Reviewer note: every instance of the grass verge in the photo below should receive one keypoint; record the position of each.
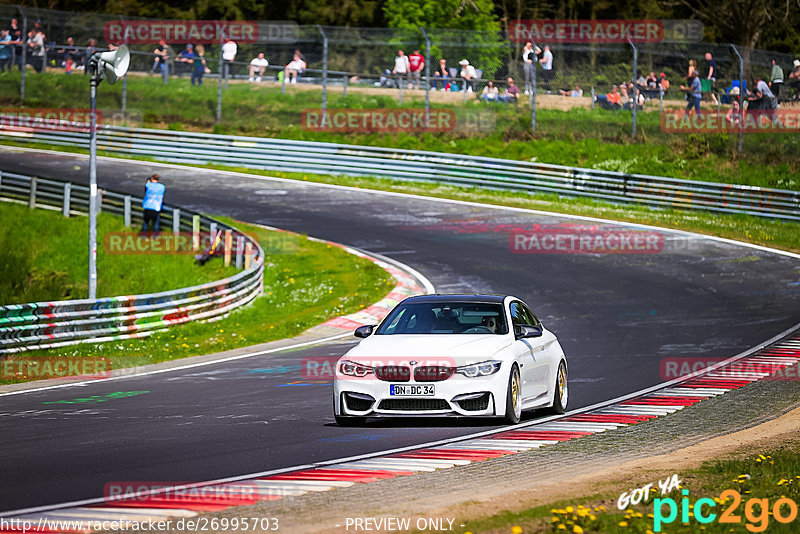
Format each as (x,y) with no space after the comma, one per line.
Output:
(43,257)
(305,283)
(766,484)
(576,137)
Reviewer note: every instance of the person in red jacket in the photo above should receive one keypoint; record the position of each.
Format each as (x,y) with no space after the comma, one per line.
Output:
(416,62)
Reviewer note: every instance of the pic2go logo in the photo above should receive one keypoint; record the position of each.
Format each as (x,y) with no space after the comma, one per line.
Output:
(756,511)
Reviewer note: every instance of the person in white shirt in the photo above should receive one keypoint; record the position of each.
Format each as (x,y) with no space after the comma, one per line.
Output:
(229,50)
(528,59)
(469,75)
(258,65)
(294,68)
(401,68)
(547,67)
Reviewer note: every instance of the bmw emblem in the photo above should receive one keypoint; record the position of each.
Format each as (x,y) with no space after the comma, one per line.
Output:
(412,362)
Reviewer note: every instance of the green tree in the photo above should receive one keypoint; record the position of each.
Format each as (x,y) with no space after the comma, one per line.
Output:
(457,29)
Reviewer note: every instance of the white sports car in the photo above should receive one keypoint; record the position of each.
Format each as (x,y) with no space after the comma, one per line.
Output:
(445,355)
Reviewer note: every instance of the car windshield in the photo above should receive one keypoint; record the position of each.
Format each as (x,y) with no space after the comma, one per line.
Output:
(445,318)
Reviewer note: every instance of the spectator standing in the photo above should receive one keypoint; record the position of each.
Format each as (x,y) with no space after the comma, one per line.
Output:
(5,50)
(511,94)
(694,94)
(416,62)
(36,49)
(152,202)
(258,66)
(528,58)
(199,65)
(229,50)
(401,67)
(663,82)
(442,73)
(651,80)
(713,74)
(469,75)
(294,68)
(490,92)
(15,31)
(68,56)
(547,68)
(160,60)
(91,48)
(776,79)
(185,59)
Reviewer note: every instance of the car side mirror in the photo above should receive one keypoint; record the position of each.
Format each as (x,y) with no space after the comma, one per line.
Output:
(364,331)
(522,331)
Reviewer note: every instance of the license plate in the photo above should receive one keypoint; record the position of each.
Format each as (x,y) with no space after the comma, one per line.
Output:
(412,390)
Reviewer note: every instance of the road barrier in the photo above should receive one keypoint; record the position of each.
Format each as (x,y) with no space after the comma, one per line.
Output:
(461,170)
(43,325)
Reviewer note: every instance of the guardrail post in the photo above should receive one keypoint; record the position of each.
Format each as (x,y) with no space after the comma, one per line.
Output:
(212,229)
(126,210)
(248,254)
(176,221)
(427,77)
(195,232)
(67,194)
(228,245)
(239,251)
(32,196)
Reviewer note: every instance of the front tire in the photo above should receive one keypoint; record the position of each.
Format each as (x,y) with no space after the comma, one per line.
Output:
(561,391)
(514,398)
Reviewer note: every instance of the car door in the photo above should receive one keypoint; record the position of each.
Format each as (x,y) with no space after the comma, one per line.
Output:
(534,367)
(545,353)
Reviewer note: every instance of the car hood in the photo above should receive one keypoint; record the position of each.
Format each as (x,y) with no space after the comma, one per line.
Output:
(463,349)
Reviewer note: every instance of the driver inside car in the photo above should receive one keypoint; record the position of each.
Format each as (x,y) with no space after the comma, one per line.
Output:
(490,322)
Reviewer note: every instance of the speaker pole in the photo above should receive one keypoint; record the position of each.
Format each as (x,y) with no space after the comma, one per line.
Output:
(94,81)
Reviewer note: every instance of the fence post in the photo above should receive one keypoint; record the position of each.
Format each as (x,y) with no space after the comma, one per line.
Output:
(228,244)
(23,59)
(660,99)
(125,77)
(741,96)
(212,229)
(283,82)
(32,196)
(195,232)
(427,77)
(532,97)
(67,195)
(239,251)
(176,221)
(220,32)
(635,86)
(593,95)
(248,254)
(126,210)
(344,83)
(324,71)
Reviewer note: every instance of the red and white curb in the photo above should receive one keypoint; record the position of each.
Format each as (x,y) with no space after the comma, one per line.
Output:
(770,361)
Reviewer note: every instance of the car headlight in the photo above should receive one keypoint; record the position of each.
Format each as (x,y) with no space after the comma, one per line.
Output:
(346,367)
(479,369)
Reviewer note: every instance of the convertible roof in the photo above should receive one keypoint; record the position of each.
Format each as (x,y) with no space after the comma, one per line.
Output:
(498,299)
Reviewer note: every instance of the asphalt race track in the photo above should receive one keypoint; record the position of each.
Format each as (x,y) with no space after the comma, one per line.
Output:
(618,316)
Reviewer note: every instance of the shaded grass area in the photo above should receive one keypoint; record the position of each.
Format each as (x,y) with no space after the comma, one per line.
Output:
(305,283)
(44,256)
(578,137)
(770,478)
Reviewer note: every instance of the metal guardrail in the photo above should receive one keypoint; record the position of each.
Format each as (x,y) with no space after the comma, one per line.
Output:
(494,173)
(44,325)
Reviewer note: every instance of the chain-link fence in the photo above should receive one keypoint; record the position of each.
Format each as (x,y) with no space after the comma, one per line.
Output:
(422,80)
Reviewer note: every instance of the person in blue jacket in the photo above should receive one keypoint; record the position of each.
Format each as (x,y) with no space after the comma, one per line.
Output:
(152,202)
